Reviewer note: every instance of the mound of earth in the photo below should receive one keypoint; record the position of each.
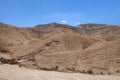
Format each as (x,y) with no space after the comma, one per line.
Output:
(57,53)
(101,58)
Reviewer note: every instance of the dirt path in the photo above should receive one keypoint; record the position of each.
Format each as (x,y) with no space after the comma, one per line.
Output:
(13,72)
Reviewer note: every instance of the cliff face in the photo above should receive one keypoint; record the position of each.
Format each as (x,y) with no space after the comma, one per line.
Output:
(87,48)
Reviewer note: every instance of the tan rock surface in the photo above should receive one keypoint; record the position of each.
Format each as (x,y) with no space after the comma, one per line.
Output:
(88,48)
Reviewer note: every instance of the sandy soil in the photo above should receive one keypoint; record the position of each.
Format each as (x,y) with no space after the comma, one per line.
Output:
(13,72)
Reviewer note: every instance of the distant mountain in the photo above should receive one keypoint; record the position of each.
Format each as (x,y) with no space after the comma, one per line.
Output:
(87,48)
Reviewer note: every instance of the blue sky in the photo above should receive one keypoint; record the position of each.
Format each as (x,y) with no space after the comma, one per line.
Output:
(32,12)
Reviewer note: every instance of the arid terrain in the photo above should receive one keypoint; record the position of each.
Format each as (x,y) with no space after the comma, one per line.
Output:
(13,72)
(92,49)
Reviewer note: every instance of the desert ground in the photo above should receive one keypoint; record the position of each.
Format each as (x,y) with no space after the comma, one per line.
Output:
(60,52)
(13,72)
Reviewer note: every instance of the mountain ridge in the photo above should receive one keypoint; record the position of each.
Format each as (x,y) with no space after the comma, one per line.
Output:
(87,48)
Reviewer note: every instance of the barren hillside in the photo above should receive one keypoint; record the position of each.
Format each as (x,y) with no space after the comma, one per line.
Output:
(87,48)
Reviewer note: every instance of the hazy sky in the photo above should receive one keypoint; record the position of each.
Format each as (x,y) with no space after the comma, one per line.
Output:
(73,12)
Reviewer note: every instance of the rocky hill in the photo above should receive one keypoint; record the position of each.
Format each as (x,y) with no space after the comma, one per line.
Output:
(87,48)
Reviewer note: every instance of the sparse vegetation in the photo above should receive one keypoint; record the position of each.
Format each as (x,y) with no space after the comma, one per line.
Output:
(90,72)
